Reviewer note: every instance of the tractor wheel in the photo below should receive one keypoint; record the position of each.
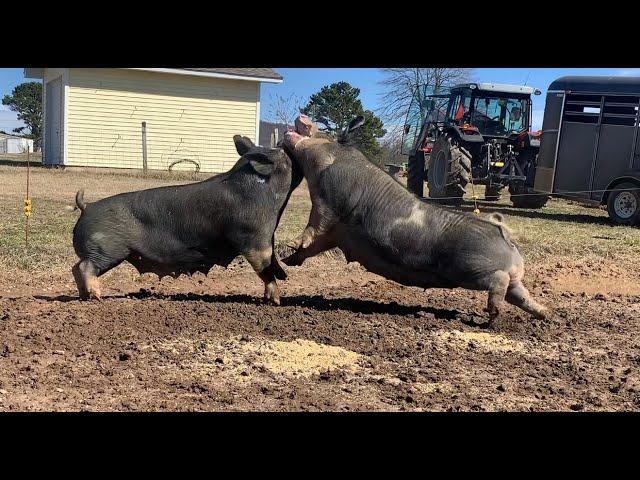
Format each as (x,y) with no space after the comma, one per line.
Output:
(492,193)
(449,171)
(524,197)
(624,205)
(415,174)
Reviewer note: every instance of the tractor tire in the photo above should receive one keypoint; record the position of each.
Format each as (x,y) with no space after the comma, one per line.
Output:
(449,171)
(524,197)
(492,193)
(624,205)
(415,174)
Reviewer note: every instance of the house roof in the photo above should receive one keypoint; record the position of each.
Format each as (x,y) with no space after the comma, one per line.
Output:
(267,75)
(243,72)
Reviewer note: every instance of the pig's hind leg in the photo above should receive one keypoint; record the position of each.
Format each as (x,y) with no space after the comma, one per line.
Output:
(86,275)
(98,254)
(498,286)
(503,287)
(519,296)
(87,271)
(83,291)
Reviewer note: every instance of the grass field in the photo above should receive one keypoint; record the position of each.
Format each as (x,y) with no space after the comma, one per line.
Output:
(561,230)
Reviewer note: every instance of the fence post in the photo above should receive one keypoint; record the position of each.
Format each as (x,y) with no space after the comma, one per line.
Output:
(273,139)
(144,147)
(27,201)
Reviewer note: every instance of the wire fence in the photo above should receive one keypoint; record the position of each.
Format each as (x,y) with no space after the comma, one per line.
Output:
(157,150)
(537,194)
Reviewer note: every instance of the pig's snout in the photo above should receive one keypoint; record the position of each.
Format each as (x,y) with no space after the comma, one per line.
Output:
(303,125)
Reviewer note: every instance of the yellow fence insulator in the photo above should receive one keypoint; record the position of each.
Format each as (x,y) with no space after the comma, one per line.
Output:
(27,207)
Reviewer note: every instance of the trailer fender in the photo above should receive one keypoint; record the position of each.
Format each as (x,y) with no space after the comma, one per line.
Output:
(632,176)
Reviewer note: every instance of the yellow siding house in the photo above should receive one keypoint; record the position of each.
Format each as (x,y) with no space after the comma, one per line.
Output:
(93,117)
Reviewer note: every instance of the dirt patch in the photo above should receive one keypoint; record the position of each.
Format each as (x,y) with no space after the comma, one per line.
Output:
(491,342)
(298,358)
(593,277)
(343,339)
(301,357)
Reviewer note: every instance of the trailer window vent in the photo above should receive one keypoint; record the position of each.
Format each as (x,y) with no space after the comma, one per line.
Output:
(581,97)
(581,108)
(620,110)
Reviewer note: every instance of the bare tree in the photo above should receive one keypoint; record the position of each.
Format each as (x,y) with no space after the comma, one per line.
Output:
(285,109)
(401,84)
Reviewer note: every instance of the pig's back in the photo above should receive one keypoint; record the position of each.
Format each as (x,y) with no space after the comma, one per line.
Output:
(404,230)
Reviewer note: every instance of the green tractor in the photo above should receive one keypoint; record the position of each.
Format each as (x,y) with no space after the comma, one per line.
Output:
(475,133)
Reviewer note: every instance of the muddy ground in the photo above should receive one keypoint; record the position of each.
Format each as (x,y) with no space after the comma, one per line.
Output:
(343,340)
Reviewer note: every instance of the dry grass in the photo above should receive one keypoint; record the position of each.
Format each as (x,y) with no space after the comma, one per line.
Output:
(566,230)
(18,158)
(562,230)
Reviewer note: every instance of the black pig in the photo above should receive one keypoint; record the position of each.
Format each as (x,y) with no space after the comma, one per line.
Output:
(375,221)
(190,228)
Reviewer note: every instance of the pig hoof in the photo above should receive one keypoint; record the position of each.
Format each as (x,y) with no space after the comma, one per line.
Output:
(272,299)
(272,295)
(297,243)
(291,261)
(294,245)
(542,314)
(306,242)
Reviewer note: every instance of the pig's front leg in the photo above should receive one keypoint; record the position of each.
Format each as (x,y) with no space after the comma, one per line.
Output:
(321,220)
(265,265)
(319,244)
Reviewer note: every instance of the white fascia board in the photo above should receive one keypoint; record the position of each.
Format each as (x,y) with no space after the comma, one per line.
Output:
(196,73)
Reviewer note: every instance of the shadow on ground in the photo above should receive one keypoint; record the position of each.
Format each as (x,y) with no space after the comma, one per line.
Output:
(543,214)
(315,302)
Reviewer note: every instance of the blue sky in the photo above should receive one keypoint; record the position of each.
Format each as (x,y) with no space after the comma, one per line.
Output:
(306,81)
(303,82)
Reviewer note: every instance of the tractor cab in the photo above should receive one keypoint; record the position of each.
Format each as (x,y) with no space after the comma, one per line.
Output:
(472,132)
(493,110)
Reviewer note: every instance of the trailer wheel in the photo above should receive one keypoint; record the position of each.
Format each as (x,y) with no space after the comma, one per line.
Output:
(623,204)
(415,174)
(449,171)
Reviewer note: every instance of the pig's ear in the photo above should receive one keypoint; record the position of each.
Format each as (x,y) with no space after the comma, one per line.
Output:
(243,144)
(261,163)
(355,123)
